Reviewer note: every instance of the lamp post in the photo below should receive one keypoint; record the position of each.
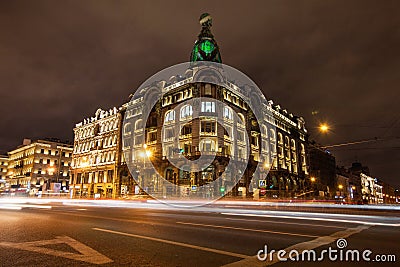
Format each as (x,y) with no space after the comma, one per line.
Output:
(144,154)
(340,186)
(313,185)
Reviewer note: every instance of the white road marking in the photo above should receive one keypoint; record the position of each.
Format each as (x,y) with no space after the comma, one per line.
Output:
(217,251)
(308,245)
(311,219)
(85,254)
(246,229)
(294,223)
(10,207)
(20,206)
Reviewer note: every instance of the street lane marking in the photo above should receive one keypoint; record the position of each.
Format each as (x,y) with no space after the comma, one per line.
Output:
(269,221)
(246,229)
(300,247)
(217,251)
(311,219)
(20,206)
(87,254)
(10,207)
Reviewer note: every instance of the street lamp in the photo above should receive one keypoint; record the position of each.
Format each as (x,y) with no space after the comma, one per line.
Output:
(312,179)
(267,165)
(143,154)
(323,128)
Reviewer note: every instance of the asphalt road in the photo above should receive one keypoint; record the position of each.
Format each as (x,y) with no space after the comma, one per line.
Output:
(55,234)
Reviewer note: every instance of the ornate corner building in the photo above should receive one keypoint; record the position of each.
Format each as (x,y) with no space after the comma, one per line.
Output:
(198,132)
(179,129)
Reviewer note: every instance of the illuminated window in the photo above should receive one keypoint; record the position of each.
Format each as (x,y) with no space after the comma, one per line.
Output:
(186,111)
(170,116)
(168,133)
(207,145)
(127,129)
(293,144)
(227,131)
(207,89)
(240,136)
(241,119)
(152,136)
(208,127)
(228,113)
(207,106)
(186,129)
(138,125)
(280,138)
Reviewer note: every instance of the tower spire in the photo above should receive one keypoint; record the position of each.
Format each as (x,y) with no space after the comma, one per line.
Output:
(205,47)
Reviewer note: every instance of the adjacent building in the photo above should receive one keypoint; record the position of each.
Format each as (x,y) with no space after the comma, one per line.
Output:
(96,157)
(322,172)
(3,172)
(39,167)
(371,190)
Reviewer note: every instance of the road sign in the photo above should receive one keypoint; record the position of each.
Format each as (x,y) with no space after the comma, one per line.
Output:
(262,183)
(194,187)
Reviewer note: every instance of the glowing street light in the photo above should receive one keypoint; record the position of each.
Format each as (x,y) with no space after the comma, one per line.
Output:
(340,187)
(312,179)
(323,128)
(148,153)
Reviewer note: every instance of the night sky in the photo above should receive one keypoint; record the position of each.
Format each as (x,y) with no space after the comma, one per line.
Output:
(62,60)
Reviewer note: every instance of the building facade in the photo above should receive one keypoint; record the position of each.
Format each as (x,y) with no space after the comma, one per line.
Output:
(322,172)
(371,190)
(3,172)
(96,155)
(197,131)
(39,167)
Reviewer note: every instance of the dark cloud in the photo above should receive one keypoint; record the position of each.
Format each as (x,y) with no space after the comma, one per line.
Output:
(60,61)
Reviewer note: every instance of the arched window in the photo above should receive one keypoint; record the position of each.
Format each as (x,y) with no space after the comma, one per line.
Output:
(241,119)
(264,130)
(228,114)
(186,111)
(170,116)
(293,144)
(127,128)
(280,138)
(138,125)
(287,141)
